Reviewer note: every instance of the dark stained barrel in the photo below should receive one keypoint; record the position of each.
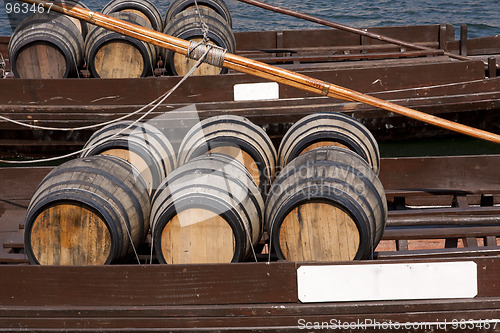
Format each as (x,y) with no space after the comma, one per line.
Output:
(326,205)
(46,46)
(143,8)
(219,6)
(89,211)
(187,25)
(234,136)
(141,144)
(113,55)
(207,211)
(326,129)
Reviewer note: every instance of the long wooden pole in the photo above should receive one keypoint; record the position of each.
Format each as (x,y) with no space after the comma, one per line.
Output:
(262,70)
(311,18)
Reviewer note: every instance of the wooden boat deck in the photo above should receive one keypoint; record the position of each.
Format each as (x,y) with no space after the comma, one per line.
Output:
(442,209)
(439,207)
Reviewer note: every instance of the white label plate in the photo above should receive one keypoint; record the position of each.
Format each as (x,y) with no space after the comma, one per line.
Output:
(376,282)
(256,91)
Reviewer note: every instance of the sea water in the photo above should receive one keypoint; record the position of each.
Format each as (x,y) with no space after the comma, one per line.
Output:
(483,17)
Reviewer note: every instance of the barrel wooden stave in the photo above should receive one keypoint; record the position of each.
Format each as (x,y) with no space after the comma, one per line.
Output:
(219,6)
(323,177)
(46,46)
(113,55)
(144,8)
(187,25)
(141,144)
(207,211)
(325,129)
(237,137)
(88,211)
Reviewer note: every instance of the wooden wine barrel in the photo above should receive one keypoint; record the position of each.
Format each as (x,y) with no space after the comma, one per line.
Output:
(143,8)
(234,136)
(327,129)
(113,55)
(219,6)
(87,212)
(326,205)
(207,211)
(46,46)
(187,25)
(141,144)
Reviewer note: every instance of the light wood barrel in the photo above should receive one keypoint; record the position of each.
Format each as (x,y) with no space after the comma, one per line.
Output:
(143,8)
(237,137)
(219,6)
(141,144)
(327,129)
(46,46)
(113,55)
(87,212)
(81,24)
(207,211)
(326,205)
(187,25)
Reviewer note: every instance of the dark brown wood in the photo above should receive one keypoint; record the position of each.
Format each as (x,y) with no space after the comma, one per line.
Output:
(440,233)
(343,57)
(452,252)
(441,173)
(463,39)
(166,284)
(492,67)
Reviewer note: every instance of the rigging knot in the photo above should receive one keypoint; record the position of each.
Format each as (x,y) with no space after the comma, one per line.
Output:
(214,54)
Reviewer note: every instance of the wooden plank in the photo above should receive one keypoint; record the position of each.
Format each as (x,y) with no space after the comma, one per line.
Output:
(256,310)
(266,323)
(128,92)
(15,185)
(148,285)
(439,233)
(438,253)
(15,240)
(465,173)
(176,284)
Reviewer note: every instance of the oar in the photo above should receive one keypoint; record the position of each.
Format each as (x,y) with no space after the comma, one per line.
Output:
(259,69)
(286,11)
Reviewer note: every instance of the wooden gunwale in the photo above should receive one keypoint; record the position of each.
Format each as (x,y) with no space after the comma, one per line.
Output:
(232,297)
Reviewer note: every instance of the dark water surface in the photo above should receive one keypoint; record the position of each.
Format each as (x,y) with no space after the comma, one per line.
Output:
(483,17)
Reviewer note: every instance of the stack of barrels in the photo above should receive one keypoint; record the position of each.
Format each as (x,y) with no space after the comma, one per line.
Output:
(48,45)
(52,45)
(212,203)
(327,202)
(95,210)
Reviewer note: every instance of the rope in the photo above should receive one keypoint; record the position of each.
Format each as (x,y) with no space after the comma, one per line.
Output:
(203,25)
(215,56)
(83,127)
(160,100)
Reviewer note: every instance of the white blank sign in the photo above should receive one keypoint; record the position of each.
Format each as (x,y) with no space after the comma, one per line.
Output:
(256,91)
(376,282)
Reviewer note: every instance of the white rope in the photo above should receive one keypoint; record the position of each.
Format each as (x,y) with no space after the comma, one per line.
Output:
(64,129)
(160,100)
